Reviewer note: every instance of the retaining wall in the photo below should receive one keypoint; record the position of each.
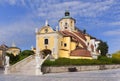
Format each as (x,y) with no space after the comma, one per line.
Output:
(58,69)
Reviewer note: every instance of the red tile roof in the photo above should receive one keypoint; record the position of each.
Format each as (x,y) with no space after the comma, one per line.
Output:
(75,38)
(80,52)
(80,34)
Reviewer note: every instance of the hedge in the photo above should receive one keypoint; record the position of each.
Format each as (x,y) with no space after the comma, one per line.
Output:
(66,61)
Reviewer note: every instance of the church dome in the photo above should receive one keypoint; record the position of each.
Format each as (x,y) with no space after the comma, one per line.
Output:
(67,13)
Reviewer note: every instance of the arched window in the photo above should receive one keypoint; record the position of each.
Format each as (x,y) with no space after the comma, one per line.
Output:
(65,44)
(66,24)
(65,27)
(46,41)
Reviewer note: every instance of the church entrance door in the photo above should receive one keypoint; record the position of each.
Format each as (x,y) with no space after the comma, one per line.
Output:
(46,52)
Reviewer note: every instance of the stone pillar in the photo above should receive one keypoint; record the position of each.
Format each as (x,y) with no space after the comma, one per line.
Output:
(38,71)
(7,65)
(6,71)
(38,66)
(37,48)
(56,46)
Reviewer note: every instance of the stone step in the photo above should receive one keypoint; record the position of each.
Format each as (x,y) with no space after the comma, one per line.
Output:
(28,69)
(28,66)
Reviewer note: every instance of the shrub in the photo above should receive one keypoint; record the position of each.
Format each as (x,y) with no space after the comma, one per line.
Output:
(116,57)
(105,60)
(66,61)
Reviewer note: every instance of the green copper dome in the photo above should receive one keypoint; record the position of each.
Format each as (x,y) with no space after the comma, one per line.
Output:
(67,16)
(67,13)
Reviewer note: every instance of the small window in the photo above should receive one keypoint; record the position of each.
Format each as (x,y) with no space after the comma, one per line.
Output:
(88,43)
(71,23)
(61,43)
(65,44)
(65,27)
(66,24)
(46,30)
(46,41)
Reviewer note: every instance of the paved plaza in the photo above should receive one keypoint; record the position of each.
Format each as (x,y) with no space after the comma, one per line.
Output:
(101,75)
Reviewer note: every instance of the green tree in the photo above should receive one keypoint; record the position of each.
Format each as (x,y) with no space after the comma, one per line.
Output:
(103,47)
(25,54)
(13,59)
(20,56)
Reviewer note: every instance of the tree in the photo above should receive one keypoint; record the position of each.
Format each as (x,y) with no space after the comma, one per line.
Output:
(103,47)
(25,54)
(20,56)
(13,59)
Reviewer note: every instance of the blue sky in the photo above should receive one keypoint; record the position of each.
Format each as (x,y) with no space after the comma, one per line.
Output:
(19,18)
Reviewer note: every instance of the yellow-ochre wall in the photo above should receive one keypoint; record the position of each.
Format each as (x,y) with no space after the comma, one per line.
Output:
(70,22)
(48,28)
(50,44)
(64,51)
(72,45)
(79,57)
(88,38)
(50,37)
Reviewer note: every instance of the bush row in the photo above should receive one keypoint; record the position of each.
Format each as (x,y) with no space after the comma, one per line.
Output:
(66,61)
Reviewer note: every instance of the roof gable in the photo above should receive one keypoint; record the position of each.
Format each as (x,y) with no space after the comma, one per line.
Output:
(46,29)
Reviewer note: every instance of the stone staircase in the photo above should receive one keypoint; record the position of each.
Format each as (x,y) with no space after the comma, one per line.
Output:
(26,67)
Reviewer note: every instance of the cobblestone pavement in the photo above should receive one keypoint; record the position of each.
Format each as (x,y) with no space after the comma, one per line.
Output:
(103,75)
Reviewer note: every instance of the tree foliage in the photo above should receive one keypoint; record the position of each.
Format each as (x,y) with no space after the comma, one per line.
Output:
(103,47)
(20,56)
(25,54)
(13,59)
(116,55)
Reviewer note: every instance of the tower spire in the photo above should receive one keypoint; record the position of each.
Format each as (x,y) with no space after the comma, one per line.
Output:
(46,23)
(56,28)
(13,44)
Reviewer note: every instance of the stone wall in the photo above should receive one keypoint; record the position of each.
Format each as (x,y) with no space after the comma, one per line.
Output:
(58,69)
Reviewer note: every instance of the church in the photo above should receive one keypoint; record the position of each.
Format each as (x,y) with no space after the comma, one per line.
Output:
(66,41)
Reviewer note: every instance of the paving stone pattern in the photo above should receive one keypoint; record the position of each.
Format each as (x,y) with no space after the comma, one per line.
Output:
(101,75)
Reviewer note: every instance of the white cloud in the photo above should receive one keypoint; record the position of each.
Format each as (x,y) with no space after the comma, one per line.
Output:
(55,8)
(112,33)
(21,32)
(115,23)
(13,2)
(76,7)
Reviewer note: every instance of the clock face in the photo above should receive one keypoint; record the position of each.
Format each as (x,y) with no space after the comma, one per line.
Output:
(46,30)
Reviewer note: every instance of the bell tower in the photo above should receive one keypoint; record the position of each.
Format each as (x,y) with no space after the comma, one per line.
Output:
(67,22)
